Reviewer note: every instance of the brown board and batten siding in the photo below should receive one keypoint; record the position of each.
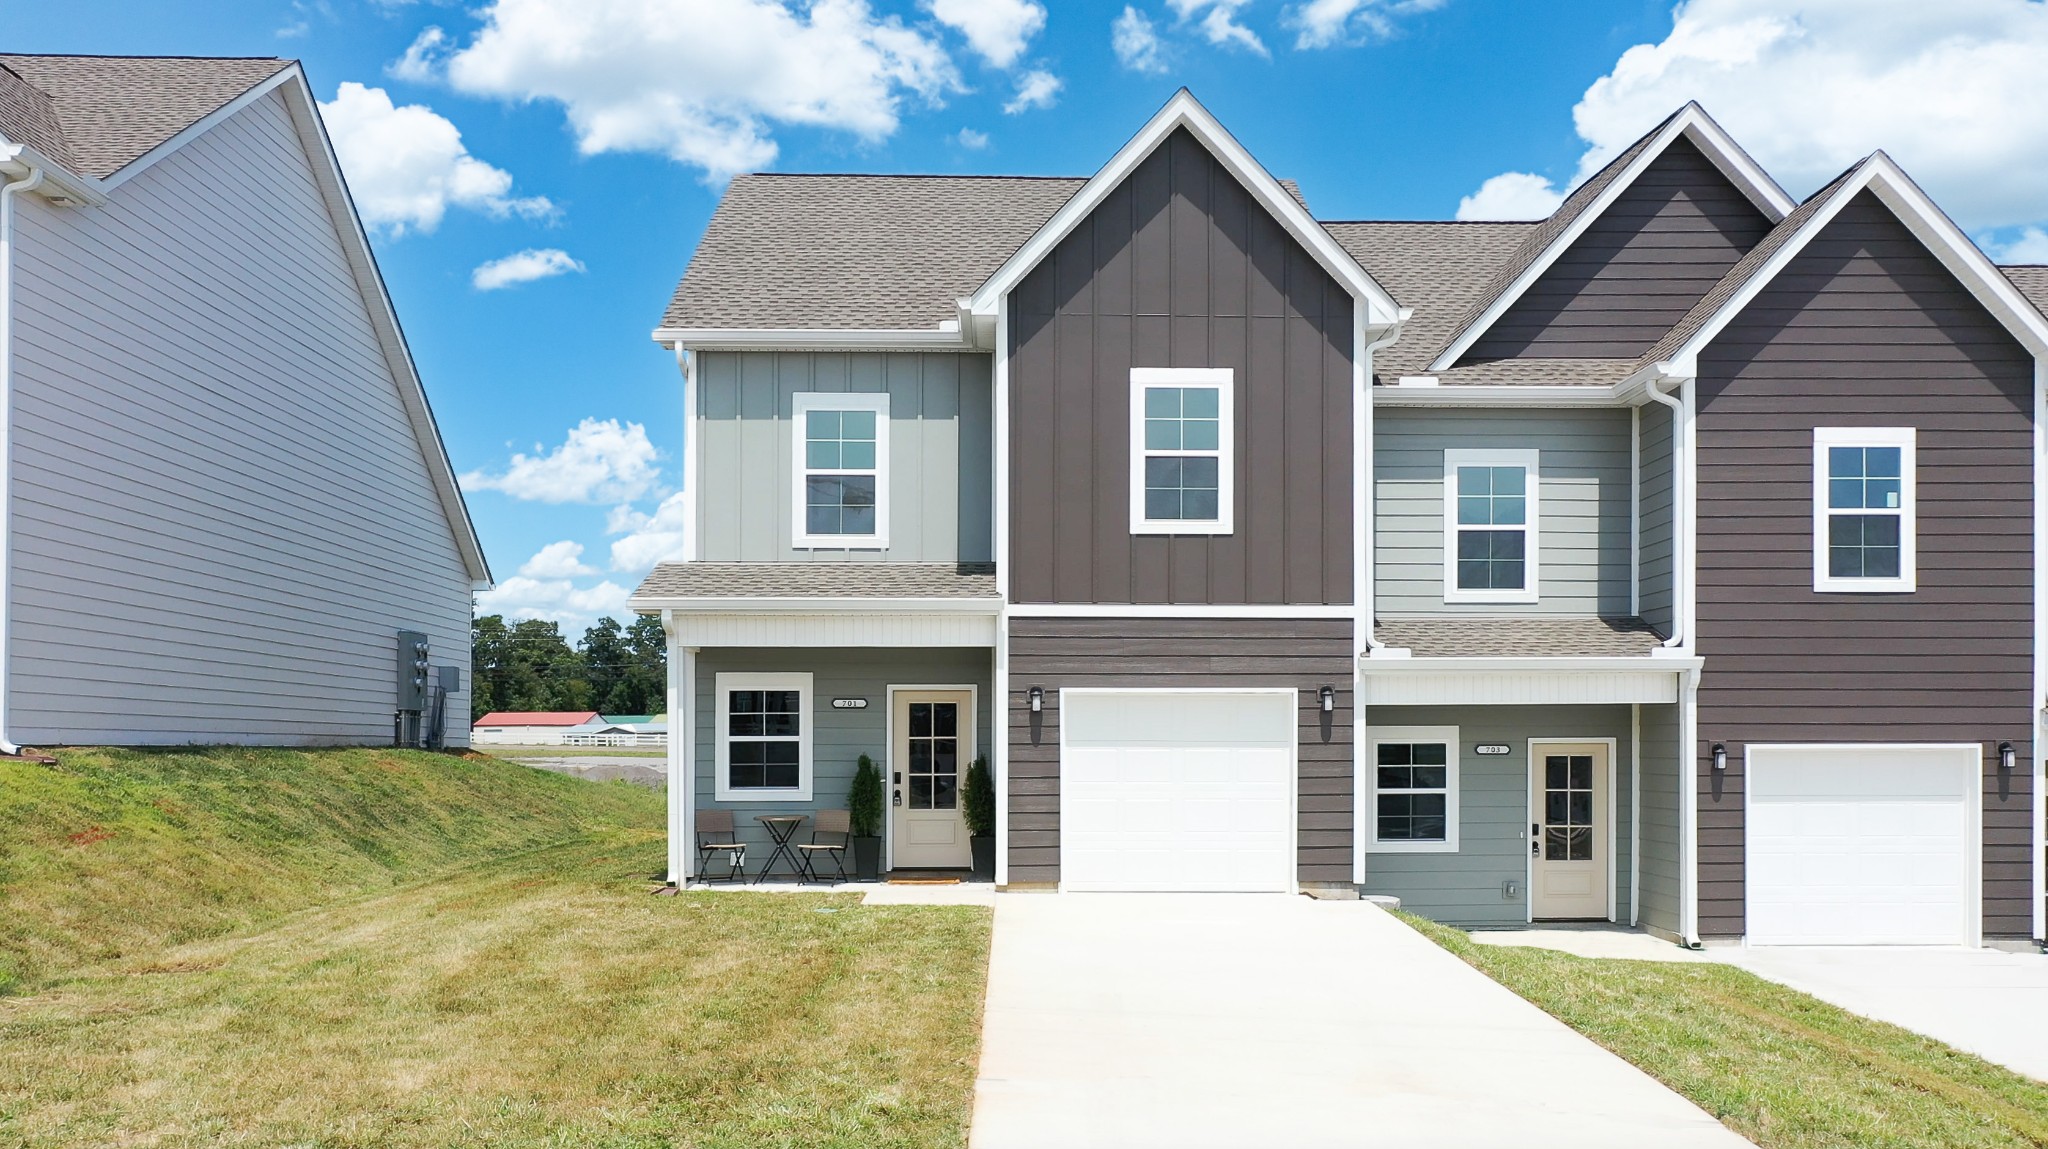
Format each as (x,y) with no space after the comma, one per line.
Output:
(1866,328)
(1180,266)
(1111,653)
(1636,270)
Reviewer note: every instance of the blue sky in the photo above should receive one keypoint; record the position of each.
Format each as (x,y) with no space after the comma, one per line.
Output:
(601,130)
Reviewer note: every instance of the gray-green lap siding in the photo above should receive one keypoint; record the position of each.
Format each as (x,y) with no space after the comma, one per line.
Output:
(1464,888)
(1662,782)
(940,473)
(1584,506)
(1655,527)
(838,737)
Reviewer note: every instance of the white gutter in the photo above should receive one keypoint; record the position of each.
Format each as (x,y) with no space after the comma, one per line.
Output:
(1363,549)
(33,180)
(1681,500)
(819,605)
(1458,664)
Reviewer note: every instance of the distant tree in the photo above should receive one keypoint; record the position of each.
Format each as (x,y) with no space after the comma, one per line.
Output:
(528,665)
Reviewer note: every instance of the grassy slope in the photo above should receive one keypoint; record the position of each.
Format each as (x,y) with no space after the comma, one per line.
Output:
(543,999)
(118,853)
(1783,1069)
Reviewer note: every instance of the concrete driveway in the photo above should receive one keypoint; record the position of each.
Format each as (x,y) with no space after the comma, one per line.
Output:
(1191,1020)
(1990,1003)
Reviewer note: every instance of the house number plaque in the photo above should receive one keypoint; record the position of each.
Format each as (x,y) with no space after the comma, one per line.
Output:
(849,704)
(1490,749)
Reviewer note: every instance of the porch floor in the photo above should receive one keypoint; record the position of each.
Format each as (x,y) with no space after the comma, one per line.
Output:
(1590,940)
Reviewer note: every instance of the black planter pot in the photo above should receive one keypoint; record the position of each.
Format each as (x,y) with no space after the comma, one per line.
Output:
(984,857)
(867,859)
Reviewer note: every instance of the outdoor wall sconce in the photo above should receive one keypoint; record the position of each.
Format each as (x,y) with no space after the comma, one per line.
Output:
(1720,756)
(1328,694)
(1037,699)
(2006,756)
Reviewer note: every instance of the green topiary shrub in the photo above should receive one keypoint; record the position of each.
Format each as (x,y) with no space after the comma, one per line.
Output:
(864,801)
(978,800)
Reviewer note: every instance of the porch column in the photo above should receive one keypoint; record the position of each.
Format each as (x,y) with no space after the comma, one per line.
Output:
(682,791)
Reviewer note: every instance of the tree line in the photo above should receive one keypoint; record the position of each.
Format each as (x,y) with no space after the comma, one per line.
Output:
(528,665)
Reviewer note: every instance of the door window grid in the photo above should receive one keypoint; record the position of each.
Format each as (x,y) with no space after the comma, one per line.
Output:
(934,746)
(1411,803)
(1568,808)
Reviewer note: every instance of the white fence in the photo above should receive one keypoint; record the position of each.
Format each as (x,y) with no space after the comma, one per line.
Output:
(571,738)
(560,736)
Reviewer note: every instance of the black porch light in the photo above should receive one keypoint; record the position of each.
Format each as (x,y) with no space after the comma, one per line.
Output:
(1720,756)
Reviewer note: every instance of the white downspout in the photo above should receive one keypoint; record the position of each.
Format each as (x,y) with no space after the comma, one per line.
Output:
(1362,487)
(1681,499)
(33,180)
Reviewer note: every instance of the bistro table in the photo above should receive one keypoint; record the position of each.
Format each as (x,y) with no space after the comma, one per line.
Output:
(781,828)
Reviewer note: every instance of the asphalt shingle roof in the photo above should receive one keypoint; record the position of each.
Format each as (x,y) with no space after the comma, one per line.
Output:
(98,114)
(1437,268)
(1475,636)
(2032,280)
(819,580)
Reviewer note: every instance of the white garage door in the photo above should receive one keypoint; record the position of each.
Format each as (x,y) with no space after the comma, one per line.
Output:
(1868,845)
(1175,791)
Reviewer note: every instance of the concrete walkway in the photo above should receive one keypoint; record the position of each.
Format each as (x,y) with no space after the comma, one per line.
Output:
(1192,1020)
(1991,1003)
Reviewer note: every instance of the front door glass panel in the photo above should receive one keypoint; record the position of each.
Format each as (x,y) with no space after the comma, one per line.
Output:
(934,774)
(1568,808)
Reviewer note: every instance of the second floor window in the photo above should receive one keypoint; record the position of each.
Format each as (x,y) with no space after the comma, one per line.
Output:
(842,471)
(1182,451)
(1490,516)
(1863,496)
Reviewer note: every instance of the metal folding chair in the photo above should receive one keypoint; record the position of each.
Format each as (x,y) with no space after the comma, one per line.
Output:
(715,835)
(831,831)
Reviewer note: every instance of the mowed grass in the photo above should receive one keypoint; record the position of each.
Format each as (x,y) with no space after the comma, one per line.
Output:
(113,853)
(1783,1069)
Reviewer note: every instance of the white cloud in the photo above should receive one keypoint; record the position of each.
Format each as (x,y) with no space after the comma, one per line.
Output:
(2030,247)
(1323,23)
(1951,90)
(561,600)
(1511,195)
(406,165)
(557,560)
(523,267)
(1035,89)
(423,57)
(600,462)
(649,539)
(997,30)
(704,82)
(1218,22)
(1136,41)
(970,139)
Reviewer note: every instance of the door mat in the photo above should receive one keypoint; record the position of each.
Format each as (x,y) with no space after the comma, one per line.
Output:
(924,881)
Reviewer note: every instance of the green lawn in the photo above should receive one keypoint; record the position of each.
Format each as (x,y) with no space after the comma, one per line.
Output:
(1783,1069)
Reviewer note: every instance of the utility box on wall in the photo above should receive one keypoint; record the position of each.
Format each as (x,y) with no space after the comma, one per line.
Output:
(413,670)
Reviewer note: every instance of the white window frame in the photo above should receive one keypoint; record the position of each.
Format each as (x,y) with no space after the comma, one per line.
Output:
(1448,736)
(1224,380)
(722,686)
(1903,438)
(1527,460)
(801,406)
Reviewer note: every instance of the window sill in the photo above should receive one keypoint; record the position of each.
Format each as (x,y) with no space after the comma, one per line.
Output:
(1469,596)
(1411,847)
(839,543)
(1864,586)
(800,794)
(1181,528)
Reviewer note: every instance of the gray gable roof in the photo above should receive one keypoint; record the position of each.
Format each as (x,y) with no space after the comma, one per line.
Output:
(2032,280)
(878,580)
(1437,268)
(98,114)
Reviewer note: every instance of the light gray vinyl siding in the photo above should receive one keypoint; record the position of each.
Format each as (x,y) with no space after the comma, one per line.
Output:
(1584,497)
(1662,782)
(939,475)
(1655,562)
(838,737)
(1464,888)
(222,515)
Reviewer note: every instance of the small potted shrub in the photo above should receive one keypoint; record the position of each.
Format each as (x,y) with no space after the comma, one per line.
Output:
(978,806)
(864,812)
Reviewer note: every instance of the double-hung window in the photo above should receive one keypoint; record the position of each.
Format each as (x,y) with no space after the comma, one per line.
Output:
(1863,509)
(1414,789)
(764,737)
(842,470)
(1183,451)
(1490,519)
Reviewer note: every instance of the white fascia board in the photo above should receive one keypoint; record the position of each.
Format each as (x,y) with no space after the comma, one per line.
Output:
(1417,664)
(206,123)
(60,184)
(1184,111)
(362,261)
(793,605)
(1501,395)
(944,337)
(1691,122)
(1925,220)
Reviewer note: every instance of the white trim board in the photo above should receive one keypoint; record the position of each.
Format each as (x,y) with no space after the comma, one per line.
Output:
(1691,122)
(793,630)
(1177,610)
(1479,687)
(1184,111)
(947,336)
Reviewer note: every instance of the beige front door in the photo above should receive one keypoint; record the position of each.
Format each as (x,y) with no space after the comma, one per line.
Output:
(927,764)
(1569,867)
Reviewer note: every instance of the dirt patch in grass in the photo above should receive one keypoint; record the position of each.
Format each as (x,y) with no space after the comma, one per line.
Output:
(1783,1069)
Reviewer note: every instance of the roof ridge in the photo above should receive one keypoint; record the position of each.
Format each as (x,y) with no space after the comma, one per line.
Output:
(1472,222)
(128,56)
(905,176)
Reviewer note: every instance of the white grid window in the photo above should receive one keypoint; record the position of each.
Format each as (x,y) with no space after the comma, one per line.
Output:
(1182,451)
(1863,509)
(1414,799)
(1490,526)
(841,452)
(764,737)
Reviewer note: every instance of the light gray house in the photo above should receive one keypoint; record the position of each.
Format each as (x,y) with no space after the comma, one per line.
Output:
(225,498)
(1670,561)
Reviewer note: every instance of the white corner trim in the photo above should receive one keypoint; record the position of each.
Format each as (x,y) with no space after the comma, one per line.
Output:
(1368,765)
(1527,460)
(1225,454)
(802,403)
(721,699)
(2039,764)
(945,337)
(1691,122)
(999,529)
(1901,437)
(1184,111)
